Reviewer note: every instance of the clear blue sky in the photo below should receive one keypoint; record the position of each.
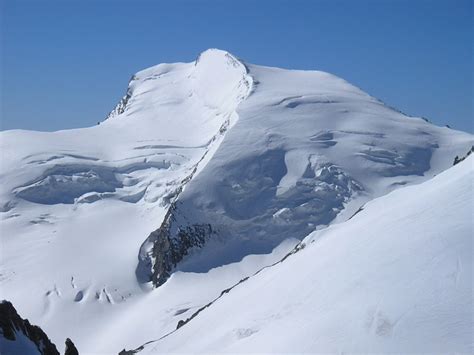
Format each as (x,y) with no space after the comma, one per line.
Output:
(66,63)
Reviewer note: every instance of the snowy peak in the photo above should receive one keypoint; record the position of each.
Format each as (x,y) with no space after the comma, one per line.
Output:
(220,79)
(217,79)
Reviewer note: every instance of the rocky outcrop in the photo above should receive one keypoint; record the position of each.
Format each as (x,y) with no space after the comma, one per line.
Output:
(12,325)
(16,329)
(168,249)
(70,348)
(457,160)
(122,104)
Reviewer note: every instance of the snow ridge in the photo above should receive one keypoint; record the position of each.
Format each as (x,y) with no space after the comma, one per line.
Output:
(159,254)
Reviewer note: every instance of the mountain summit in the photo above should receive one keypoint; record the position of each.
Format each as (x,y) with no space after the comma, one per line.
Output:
(204,174)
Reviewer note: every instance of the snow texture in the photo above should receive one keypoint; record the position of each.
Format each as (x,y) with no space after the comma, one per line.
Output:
(395,278)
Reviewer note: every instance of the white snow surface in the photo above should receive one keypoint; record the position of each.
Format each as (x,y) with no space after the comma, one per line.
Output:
(397,277)
(270,155)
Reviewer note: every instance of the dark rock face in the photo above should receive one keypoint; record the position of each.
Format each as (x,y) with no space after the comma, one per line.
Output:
(11,324)
(70,348)
(168,248)
(458,160)
(170,251)
(122,104)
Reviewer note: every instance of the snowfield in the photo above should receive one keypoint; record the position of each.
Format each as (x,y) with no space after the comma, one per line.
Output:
(206,173)
(397,277)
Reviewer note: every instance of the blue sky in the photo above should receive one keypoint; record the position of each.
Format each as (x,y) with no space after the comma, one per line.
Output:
(66,63)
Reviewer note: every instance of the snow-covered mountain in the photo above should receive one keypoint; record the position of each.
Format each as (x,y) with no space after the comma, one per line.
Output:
(203,174)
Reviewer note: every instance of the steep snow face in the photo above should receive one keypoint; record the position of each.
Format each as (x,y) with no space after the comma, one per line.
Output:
(216,162)
(307,146)
(397,277)
(227,88)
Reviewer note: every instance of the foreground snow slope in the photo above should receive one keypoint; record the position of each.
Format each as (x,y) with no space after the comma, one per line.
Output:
(397,277)
(204,173)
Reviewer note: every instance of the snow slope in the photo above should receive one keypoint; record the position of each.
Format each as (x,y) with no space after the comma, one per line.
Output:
(397,277)
(307,145)
(204,173)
